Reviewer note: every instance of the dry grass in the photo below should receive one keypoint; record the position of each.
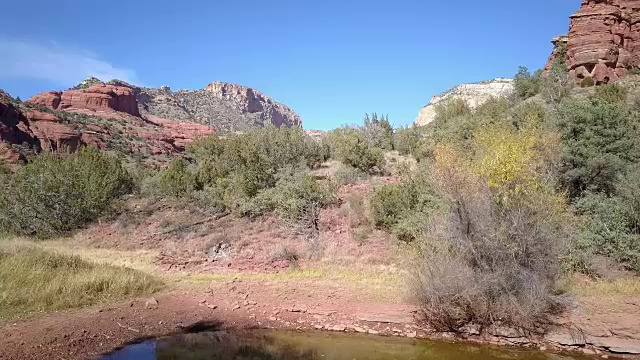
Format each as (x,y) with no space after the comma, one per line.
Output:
(382,284)
(33,280)
(628,286)
(139,259)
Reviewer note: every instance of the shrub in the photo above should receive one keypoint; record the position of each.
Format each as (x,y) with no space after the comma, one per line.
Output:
(350,146)
(293,193)
(177,180)
(529,113)
(495,109)
(599,140)
(556,84)
(587,82)
(493,254)
(610,93)
(451,110)
(611,225)
(378,131)
(230,173)
(55,194)
(527,85)
(407,140)
(346,175)
(404,208)
(610,229)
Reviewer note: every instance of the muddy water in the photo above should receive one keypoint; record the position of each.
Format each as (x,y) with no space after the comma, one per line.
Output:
(287,345)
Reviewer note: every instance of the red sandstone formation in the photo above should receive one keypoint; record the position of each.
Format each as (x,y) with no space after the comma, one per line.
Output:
(604,40)
(36,129)
(97,98)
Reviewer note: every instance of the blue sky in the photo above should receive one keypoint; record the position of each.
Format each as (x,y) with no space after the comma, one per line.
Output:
(331,60)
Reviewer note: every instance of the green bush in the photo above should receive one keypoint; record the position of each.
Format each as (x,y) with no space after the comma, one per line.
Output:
(407,140)
(599,141)
(249,174)
(587,82)
(529,113)
(611,94)
(54,194)
(403,208)
(378,131)
(609,229)
(527,85)
(177,180)
(451,109)
(295,191)
(350,146)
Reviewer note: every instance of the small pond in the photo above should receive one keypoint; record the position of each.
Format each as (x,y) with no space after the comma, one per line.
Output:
(290,345)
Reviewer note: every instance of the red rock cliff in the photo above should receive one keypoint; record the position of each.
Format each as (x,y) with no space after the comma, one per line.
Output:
(98,98)
(604,40)
(37,129)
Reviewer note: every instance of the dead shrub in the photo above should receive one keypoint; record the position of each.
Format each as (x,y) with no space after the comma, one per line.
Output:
(493,255)
(285,253)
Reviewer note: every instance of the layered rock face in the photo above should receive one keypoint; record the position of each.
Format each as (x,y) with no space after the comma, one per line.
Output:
(34,129)
(227,107)
(97,98)
(473,94)
(604,40)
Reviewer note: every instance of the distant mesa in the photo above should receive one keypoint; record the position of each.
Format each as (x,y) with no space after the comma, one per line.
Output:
(474,95)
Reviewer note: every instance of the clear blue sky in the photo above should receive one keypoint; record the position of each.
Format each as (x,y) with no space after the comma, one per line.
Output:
(331,60)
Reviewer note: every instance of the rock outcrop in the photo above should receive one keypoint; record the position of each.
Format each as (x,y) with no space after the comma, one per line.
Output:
(25,129)
(33,129)
(473,94)
(604,40)
(100,98)
(559,51)
(227,107)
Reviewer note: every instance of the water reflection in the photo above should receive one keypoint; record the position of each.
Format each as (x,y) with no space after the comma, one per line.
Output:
(286,345)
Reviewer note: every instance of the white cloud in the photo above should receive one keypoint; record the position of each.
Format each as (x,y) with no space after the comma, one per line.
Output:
(61,65)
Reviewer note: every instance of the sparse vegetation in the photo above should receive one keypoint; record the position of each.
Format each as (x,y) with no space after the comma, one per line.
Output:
(346,174)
